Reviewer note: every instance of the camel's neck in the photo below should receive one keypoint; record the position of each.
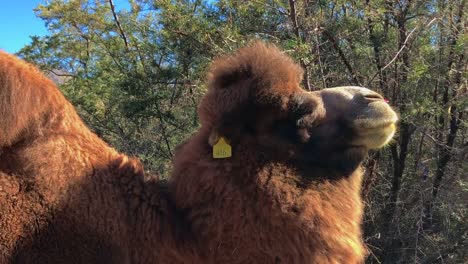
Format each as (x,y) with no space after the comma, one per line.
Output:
(160,231)
(267,209)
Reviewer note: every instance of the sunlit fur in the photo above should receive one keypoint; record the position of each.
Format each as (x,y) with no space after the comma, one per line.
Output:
(290,193)
(65,195)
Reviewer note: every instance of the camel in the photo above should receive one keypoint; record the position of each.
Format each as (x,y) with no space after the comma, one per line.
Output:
(285,187)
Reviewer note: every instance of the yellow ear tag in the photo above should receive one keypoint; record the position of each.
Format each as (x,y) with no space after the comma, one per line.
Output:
(222,149)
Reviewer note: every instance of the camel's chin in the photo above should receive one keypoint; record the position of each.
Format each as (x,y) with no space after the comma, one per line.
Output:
(375,125)
(375,138)
(376,115)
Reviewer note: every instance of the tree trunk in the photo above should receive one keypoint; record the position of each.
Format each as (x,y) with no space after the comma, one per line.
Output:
(445,147)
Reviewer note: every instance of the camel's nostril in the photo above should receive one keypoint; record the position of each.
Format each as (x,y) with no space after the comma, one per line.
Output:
(373,97)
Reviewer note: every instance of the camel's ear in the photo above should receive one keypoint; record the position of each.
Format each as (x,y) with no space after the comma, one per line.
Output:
(291,122)
(247,91)
(230,127)
(214,137)
(224,77)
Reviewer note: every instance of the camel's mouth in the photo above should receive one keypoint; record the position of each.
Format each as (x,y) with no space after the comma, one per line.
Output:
(375,125)
(376,114)
(374,138)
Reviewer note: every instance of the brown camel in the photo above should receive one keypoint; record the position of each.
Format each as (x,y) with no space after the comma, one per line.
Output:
(288,190)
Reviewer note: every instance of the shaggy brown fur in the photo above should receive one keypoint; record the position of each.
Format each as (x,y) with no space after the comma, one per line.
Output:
(289,193)
(65,195)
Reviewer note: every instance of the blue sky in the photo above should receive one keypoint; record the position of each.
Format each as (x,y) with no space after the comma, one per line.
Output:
(18,22)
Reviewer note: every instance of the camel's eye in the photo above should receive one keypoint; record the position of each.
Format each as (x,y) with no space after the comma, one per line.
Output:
(287,131)
(249,129)
(304,110)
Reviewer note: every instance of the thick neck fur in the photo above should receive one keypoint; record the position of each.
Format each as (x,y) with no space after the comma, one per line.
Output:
(65,195)
(68,197)
(250,210)
(47,149)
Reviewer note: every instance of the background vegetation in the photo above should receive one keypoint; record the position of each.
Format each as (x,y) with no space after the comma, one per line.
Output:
(137,75)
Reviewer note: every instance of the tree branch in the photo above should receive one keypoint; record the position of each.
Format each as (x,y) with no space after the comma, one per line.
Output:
(342,56)
(293,16)
(399,51)
(122,33)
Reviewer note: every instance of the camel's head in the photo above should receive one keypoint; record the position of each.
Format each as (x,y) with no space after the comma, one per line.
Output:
(255,99)
(357,116)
